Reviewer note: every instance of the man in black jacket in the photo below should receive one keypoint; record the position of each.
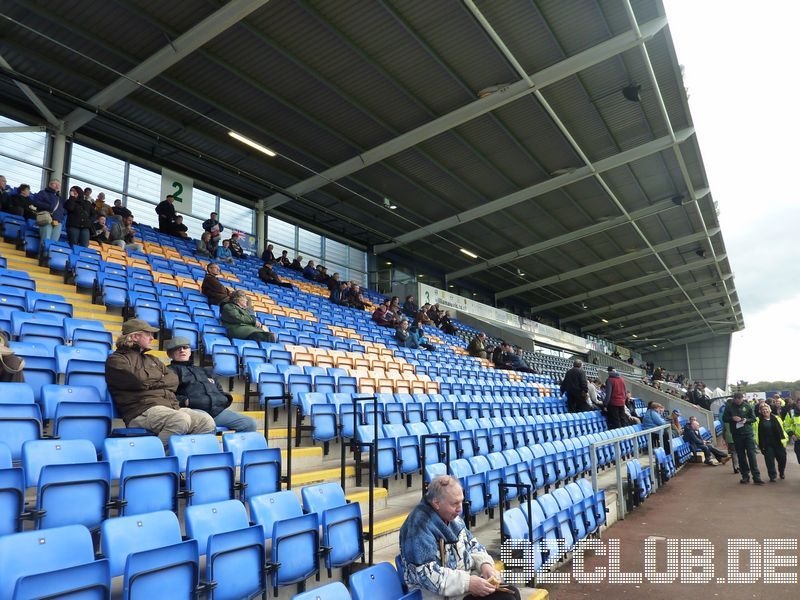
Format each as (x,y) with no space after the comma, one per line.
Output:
(692,437)
(575,386)
(199,390)
(166,215)
(267,275)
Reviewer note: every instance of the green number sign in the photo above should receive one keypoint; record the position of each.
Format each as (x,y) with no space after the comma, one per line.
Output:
(178,191)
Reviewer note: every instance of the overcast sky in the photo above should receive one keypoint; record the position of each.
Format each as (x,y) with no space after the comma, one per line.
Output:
(741,70)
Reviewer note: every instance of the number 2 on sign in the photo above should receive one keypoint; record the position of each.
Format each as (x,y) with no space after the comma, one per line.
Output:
(178,191)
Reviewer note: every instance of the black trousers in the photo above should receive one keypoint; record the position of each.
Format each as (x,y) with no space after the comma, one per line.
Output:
(498,595)
(708,450)
(797,449)
(746,453)
(575,401)
(772,453)
(262,336)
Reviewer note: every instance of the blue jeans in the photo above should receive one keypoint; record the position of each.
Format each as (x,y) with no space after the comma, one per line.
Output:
(49,232)
(233,420)
(78,236)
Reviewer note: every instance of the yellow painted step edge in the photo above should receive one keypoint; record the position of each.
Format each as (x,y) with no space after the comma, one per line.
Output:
(389,525)
(321,475)
(363,496)
(304,453)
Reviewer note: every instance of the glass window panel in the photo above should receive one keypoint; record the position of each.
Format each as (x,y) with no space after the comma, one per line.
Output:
(236,216)
(358,260)
(195,226)
(203,204)
(101,170)
(25,156)
(309,243)
(143,212)
(335,252)
(281,234)
(144,184)
(359,277)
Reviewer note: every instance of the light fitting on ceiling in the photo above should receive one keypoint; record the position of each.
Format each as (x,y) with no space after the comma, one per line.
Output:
(677,200)
(701,253)
(604,320)
(584,306)
(251,143)
(634,335)
(468,253)
(631,92)
(492,89)
(389,204)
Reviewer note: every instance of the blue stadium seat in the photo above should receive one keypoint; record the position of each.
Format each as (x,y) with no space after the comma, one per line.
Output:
(210,473)
(259,466)
(341,523)
(330,591)
(380,582)
(19,423)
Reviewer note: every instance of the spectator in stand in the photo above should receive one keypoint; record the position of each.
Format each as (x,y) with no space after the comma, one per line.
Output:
(284,259)
(334,281)
(223,253)
(791,423)
(338,294)
(99,232)
(477,346)
(615,399)
(240,323)
(267,256)
(771,439)
(394,307)
(630,410)
(356,298)
(310,272)
(322,275)
(433,314)
(214,227)
(5,191)
(166,214)
(518,362)
(658,374)
(653,417)
(675,425)
(381,317)
(236,248)
(143,388)
(410,307)
(447,324)
(11,365)
(728,437)
(198,390)
(419,339)
(19,202)
(80,216)
(576,387)
(212,287)
(712,455)
(297,264)
(267,275)
(179,229)
(120,210)
(204,246)
(50,214)
(592,401)
(122,235)
(422,315)
(440,556)
(503,357)
(101,208)
(401,333)
(741,418)
(87,194)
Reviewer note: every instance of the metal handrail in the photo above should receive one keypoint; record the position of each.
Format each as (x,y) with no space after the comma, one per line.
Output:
(617,447)
(287,396)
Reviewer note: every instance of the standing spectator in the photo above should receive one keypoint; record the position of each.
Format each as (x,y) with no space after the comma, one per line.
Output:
(728,437)
(179,229)
(143,388)
(267,256)
(80,216)
(50,216)
(575,386)
(284,259)
(654,417)
(741,417)
(214,227)
(477,346)
(11,366)
(615,400)
(166,215)
(771,439)
(204,246)
(212,287)
(99,232)
(236,248)
(101,208)
(122,235)
(410,307)
(120,210)
(240,324)
(223,253)
(198,390)
(791,424)
(675,426)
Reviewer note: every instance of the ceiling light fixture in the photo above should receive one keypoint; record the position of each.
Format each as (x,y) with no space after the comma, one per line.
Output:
(389,204)
(468,253)
(701,253)
(388,263)
(604,320)
(252,144)
(677,200)
(634,335)
(631,92)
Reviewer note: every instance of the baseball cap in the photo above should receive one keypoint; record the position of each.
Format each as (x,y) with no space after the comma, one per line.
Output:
(610,369)
(134,325)
(675,411)
(177,342)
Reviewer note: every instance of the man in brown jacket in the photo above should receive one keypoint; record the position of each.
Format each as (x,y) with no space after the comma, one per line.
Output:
(212,287)
(143,388)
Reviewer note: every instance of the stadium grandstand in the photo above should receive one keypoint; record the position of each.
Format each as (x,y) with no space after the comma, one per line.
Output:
(523,175)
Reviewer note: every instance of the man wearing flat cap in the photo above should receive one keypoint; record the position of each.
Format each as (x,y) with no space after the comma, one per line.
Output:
(143,388)
(198,389)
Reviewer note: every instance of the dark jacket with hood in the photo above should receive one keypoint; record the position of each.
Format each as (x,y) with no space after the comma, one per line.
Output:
(615,390)
(49,200)
(80,212)
(198,389)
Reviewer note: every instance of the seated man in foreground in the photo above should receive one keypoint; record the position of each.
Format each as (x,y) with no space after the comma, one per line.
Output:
(440,555)
(200,391)
(143,388)
(692,436)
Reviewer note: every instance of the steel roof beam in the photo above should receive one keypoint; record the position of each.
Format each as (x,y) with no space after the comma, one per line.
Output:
(609,308)
(566,238)
(510,93)
(638,328)
(677,322)
(644,279)
(34,99)
(683,341)
(219,21)
(606,264)
(538,189)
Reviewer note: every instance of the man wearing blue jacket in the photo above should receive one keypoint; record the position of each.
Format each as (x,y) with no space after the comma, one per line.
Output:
(49,200)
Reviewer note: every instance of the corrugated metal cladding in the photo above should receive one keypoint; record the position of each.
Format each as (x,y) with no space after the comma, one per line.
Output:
(324,80)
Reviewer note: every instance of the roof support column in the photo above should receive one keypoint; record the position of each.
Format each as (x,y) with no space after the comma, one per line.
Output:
(57,156)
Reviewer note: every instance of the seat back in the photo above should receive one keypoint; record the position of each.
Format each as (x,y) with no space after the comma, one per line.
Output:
(379,582)
(37,454)
(320,497)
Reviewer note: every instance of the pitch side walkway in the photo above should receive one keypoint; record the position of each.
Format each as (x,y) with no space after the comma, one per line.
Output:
(708,503)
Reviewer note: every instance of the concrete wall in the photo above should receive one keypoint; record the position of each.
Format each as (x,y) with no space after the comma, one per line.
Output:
(704,361)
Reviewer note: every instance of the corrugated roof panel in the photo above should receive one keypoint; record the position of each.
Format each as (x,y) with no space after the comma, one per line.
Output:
(175,14)
(576,25)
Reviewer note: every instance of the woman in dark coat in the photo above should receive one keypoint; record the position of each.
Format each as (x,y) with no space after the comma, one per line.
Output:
(80,217)
(771,439)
